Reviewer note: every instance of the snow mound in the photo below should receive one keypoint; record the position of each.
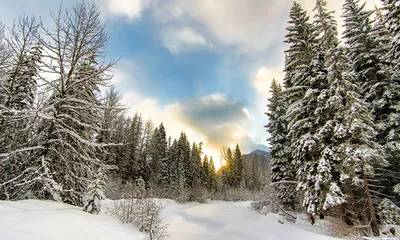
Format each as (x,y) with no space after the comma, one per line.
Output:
(47,220)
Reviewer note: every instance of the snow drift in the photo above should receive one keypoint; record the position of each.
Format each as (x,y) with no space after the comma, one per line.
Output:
(46,220)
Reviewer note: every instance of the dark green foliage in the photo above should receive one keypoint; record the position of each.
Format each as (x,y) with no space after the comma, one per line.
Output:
(282,173)
(337,119)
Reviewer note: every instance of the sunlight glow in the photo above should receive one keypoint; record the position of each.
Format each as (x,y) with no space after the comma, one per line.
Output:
(223,162)
(238,135)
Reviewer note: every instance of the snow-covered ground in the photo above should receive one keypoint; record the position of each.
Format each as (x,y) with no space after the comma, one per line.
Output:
(46,220)
(229,220)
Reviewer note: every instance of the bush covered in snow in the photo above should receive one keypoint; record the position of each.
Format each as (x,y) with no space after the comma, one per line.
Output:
(144,213)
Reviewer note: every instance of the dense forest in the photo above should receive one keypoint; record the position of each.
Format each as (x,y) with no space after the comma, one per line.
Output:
(334,125)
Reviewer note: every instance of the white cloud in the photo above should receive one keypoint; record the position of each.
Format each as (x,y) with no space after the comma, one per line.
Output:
(249,25)
(246,111)
(263,80)
(132,9)
(177,40)
(216,98)
(126,73)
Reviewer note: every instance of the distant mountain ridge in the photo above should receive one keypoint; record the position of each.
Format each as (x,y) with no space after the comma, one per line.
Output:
(263,157)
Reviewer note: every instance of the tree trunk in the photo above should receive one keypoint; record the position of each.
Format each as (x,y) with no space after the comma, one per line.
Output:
(312,219)
(371,210)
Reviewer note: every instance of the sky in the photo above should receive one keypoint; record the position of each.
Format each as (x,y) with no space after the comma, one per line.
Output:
(199,66)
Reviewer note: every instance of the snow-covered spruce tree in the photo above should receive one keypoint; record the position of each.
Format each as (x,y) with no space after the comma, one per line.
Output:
(184,158)
(205,177)
(254,182)
(389,213)
(326,176)
(314,174)
(123,137)
(301,38)
(181,183)
(367,46)
(155,161)
(74,51)
(381,35)
(212,175)
(118,135)
(162,148)
(246,173)
(4,57)
(226,173)
(197,190)
(391,18)
(306,79)
(355,137)
(351,136)
(345,119)
(130,167)
(195,160)
(95,193)
(17,112)
(327,41)
(237,173)
(309,112)
(209,177)
(392,8)
(364,52)
(198,164)
(326,29)
(387,32)
(158,153)
(173,166)
(144,166)
(177,174)
(193,165)
(231,167)
(361,45)
(386,177)
(282,176)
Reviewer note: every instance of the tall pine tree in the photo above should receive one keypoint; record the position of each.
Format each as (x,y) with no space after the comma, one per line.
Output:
(282,174)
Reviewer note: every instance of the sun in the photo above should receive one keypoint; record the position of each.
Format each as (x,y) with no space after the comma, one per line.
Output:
(223,162)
